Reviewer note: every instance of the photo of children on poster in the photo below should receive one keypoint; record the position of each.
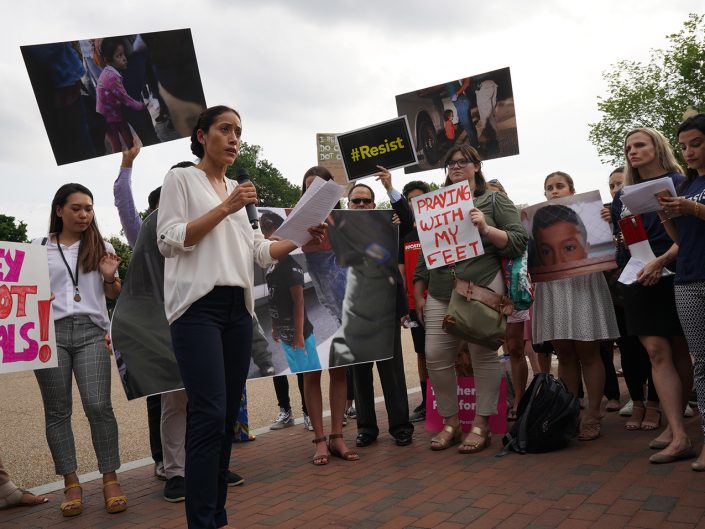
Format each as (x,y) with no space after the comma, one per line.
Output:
(327,304)
(99,96)
(27,339)
(477,110)
(446,232)
(568,237)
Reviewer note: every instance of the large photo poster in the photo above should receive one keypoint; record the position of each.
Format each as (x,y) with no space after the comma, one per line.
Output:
(568,237)
(98,96)
(27,339)
(477,110)
(342,284)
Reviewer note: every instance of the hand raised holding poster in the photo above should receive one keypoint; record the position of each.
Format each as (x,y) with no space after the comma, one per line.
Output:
(27,338)
(446,231)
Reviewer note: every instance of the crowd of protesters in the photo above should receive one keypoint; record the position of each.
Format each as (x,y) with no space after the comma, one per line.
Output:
(209,246)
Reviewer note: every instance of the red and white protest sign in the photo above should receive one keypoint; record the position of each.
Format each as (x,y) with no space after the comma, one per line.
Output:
(27,338)
(446,232)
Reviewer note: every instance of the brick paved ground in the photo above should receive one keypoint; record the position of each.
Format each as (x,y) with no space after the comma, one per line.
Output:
(603,484)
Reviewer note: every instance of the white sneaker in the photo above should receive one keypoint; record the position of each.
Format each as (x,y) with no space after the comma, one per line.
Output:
(626,410)
(283,420)
(307,423)
(688,411)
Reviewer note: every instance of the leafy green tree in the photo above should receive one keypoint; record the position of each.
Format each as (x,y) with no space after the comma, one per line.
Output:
(11,231)
(655,94)
(125,252)
(273,190)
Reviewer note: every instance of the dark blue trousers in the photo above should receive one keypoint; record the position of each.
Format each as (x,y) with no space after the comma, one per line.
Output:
(212,342)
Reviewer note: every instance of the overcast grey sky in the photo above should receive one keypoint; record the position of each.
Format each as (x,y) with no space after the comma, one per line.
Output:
(294,68)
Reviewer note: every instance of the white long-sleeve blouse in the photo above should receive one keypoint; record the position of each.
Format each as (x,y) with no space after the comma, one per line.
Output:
(224,257)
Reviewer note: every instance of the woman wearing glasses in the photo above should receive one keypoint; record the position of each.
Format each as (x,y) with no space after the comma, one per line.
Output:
(497,220)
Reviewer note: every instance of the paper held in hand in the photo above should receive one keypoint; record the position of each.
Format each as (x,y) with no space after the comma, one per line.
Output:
(642,198)
(313,208)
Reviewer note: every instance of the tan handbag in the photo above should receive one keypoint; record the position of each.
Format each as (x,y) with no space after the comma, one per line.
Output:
(477,314)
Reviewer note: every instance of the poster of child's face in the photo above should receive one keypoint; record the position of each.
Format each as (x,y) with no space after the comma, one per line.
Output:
(100,96)
(568,237)
(477,110)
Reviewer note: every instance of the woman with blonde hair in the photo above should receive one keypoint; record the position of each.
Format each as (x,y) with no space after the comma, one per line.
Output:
(650,306)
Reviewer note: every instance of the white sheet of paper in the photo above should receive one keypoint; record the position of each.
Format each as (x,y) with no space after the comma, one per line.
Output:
(628,275)
(641,198)
(313,208)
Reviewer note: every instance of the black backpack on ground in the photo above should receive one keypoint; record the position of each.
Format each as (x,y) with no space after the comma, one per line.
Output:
(547,418)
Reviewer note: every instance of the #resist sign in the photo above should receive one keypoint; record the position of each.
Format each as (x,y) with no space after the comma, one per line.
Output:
(446,232)
(387,144)
(27,338)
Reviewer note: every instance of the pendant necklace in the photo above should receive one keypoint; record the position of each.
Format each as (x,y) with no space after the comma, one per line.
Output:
(74,280)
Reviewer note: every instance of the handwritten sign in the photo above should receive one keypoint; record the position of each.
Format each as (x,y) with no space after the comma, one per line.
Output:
(328,156)
(27,339)
(446,232)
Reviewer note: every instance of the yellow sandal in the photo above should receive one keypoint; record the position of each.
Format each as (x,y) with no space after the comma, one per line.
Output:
(73,507)
(114,504)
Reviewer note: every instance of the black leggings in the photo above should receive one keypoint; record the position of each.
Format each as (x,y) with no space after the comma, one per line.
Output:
(281,388)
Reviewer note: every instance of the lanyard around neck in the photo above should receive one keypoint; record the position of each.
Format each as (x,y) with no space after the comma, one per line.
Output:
(74,279)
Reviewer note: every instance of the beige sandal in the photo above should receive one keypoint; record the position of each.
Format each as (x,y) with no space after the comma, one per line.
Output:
(441,443)
(648,423)
(13,496)
(473,447)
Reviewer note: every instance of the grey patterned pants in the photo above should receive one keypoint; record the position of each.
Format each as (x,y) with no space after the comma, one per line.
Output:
(81,351)
(690,302)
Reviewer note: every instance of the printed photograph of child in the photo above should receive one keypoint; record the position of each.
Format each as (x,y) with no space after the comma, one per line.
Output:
(99,96)
(568,237)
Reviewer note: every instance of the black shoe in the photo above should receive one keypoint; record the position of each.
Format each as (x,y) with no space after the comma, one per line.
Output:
(419,414)
(175,489)
(403,439)
(364,439)
(234,479)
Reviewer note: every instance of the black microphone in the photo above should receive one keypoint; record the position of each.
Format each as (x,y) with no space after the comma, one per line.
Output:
(242,177)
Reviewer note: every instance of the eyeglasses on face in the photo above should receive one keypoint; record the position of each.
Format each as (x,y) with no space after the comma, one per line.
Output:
(460,164)
(358,201)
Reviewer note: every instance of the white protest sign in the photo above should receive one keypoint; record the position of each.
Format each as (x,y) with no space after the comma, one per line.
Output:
(27,339)
(446,232)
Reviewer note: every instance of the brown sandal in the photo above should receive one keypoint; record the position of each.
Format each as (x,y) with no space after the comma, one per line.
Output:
(320,459)
(473,447)
(350,455)
(634,422)
(589,430)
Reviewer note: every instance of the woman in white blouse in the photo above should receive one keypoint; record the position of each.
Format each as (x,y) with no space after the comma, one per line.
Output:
(210,246)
